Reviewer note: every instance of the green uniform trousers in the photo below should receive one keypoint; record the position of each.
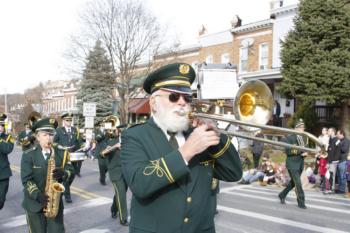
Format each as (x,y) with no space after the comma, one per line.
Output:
(102,165)
(38,223)
(4,187)
(67,185)
(77,166)
(295,182)
(119,201)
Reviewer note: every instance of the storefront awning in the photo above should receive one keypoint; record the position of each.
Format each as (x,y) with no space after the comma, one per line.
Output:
(139,106)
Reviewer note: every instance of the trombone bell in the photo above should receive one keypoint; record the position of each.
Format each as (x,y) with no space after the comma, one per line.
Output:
(253,103)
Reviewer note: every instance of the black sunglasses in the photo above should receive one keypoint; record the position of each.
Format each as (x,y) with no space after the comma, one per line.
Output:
(174,97)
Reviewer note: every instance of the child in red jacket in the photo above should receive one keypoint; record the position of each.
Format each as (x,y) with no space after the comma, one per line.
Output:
(322,169)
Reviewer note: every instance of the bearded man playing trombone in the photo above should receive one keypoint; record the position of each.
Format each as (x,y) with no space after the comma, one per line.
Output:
(169,165)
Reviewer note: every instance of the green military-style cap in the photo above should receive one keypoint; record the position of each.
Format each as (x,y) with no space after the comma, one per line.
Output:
(176,77)
(67,115)
(3,117)
(46,125)
(299,123)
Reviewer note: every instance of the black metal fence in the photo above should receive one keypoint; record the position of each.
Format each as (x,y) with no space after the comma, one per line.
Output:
(328,113)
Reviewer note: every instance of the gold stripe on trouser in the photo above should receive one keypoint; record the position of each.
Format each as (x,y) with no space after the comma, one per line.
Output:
(30,230)
(296,190)
(119,206)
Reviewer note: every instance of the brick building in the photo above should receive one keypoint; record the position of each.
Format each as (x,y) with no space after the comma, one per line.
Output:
(59,97)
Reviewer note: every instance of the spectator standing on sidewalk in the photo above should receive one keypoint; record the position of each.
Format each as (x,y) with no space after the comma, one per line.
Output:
(348,175)
(322,170)
(332,160)
(342,148)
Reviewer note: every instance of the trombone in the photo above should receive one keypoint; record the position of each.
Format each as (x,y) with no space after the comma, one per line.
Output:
(252,109)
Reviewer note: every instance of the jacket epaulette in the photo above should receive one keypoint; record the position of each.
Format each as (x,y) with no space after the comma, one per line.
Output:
(136,124)
(30,150)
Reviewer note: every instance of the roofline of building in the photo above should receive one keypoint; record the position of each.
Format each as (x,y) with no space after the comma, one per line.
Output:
(185,49)
(261,75)
(253,26)
(284,10)
(214,33)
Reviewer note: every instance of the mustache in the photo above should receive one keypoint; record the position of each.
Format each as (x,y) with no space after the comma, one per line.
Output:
(182,111)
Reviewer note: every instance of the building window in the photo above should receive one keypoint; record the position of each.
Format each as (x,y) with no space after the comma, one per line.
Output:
(225,58)
(209,59)
(263,56)
(243,59)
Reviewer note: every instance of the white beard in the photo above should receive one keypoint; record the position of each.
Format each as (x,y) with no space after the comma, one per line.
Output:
(173,120)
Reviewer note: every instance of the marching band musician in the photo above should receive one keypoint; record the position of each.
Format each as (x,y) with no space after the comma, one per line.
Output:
(26,138)
(68,136)
(100,138)
(112,153)
(295,165)
(6,147)
(168,165)
(34,173)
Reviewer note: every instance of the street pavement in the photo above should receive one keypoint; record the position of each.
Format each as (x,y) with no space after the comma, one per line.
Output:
(242,208)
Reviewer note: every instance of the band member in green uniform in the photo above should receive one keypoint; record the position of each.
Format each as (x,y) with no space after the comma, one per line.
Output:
(101,144)
(34,175)
(26,138)
(6,147)
(295,166)
(168,165)
(112,153)
(68,137)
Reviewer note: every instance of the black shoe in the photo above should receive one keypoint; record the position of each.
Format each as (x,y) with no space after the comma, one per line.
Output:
(302,206)
(78,175)
(124,223)
(103,182)
(114,214)
(339,192)
(216,212)
(282,199)
(68,199)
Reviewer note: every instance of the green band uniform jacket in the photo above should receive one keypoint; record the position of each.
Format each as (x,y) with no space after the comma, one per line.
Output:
(169,196)
(26,140)
(6,147)
(64,139)
(34,174)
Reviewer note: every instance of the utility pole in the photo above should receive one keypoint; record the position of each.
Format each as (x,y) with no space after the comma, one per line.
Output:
(5,101)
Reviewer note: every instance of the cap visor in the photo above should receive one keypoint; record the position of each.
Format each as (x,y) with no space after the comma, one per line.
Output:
(181,90)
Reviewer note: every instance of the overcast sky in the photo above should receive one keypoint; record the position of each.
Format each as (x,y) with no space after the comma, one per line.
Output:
(35,34)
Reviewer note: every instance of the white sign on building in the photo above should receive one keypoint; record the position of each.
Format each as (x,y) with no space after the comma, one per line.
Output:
(217,81)
(89,109)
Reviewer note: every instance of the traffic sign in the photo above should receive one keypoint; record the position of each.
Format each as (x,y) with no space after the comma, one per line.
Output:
(89,109)
(89,122)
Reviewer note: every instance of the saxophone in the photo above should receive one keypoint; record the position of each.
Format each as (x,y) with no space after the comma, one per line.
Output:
(53,189)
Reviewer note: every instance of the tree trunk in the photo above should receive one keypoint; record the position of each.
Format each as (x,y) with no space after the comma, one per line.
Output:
(345,119)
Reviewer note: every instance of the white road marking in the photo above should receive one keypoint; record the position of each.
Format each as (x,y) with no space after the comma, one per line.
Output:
(292,195)
(326,196)
(21,219)
(264,217)
(277,200)
(96,231)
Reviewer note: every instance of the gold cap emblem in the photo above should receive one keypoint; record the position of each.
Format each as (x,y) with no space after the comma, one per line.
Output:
(52,121)
(184,69)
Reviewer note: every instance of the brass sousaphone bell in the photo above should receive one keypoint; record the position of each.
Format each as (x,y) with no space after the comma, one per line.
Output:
(33,117)
(111,124)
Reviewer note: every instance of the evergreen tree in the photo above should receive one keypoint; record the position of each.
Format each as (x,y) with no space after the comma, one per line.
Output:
(316,54)
(98,84)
